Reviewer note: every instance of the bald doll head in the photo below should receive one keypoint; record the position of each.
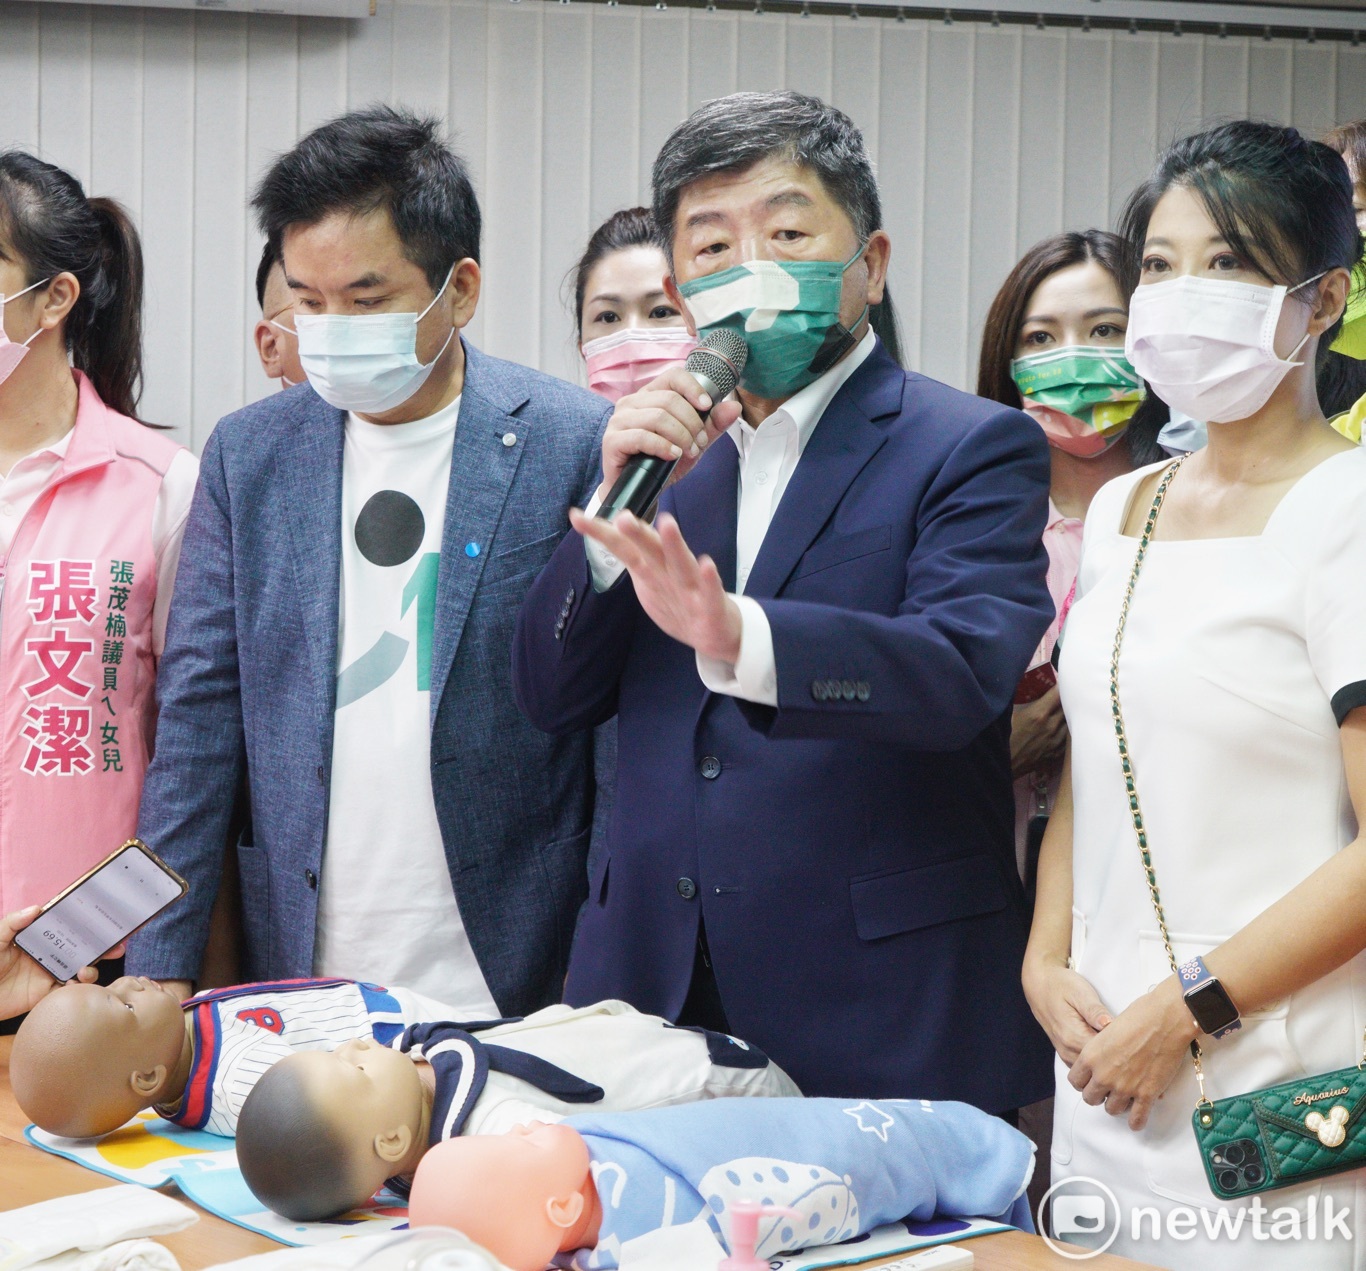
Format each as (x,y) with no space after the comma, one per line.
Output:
(89,1056)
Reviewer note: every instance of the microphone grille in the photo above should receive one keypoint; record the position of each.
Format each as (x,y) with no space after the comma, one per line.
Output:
(721,358)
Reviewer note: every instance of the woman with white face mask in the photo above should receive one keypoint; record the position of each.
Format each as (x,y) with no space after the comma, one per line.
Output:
(629,330)
(93,505)
(1203,877)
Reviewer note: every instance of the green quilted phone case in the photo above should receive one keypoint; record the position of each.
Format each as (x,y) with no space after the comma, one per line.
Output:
(1291,1133)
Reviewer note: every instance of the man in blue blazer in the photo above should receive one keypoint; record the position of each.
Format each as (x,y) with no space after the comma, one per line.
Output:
(355,558)
(811,652)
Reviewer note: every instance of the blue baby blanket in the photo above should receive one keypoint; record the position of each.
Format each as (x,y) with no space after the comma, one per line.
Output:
(847,1167)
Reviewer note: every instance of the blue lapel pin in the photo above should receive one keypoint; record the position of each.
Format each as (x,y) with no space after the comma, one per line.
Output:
(471,550)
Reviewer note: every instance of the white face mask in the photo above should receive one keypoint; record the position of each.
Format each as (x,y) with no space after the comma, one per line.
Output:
(12,354)
(1207,345)
(366,363)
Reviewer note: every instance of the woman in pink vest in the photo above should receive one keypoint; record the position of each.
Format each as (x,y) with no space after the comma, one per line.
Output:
(92,508)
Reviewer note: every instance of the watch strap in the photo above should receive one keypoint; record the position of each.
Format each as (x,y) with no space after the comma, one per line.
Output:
(1194,975)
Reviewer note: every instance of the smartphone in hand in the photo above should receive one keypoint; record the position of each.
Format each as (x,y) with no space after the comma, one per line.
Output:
(98,910)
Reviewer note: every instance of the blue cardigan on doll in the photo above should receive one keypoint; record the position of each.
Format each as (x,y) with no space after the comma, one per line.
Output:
(846,1167)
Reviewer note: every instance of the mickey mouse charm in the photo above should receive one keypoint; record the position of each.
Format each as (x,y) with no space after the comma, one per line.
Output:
(1331,1129)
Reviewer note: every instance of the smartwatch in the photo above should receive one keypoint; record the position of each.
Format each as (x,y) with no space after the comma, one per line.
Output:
(1207,999)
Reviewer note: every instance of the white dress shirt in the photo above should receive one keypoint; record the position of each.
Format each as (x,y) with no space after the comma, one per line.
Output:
(769,455)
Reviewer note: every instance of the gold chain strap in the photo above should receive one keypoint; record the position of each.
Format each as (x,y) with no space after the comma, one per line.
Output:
(1121,737)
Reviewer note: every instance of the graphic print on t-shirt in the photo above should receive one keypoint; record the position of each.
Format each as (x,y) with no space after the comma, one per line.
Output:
(388,532)
(386,903)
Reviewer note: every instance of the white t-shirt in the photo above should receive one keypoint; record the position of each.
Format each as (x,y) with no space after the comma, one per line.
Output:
(386,907)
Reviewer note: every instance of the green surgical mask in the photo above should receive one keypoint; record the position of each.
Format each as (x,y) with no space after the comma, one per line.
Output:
(788,313)
(1082,396)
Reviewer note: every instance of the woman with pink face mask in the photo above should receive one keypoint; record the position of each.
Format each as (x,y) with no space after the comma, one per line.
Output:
(629,330)
(93,505)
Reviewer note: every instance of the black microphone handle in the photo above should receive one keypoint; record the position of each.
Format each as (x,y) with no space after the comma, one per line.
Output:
(644,477)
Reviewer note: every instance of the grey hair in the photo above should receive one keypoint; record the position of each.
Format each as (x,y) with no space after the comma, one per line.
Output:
(733,133)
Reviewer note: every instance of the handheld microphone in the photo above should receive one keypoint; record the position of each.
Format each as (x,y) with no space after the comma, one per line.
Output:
(715,364)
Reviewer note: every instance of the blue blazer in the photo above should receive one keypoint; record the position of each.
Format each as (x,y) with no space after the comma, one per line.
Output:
(249,679)
(851,851)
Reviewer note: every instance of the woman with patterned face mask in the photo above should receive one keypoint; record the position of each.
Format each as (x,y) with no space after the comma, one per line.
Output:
(1197,932)
(1053,345)
(629,330)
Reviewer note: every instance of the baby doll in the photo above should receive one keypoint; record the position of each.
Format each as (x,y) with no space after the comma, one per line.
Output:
(321,1133)
(579,1192)
(89,1057)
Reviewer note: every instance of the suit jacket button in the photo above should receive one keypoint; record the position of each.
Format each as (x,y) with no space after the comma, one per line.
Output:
(710,767)
(818,690)
(862,691)
(847,690)
(832,690)
(569,598)
(311,879)
(686,888)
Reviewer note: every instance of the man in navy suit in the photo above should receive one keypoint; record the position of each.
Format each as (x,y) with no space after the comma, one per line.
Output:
(811,652)
(356,555)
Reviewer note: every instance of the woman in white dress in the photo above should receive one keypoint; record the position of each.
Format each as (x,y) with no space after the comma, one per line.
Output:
(1242,680)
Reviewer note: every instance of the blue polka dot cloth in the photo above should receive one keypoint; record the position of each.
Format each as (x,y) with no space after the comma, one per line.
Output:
(845,1166)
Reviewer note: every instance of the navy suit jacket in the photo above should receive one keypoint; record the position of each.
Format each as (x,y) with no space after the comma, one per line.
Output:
(249,678)
(851,851)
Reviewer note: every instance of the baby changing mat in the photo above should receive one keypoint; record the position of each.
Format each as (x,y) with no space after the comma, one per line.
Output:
(154,1153)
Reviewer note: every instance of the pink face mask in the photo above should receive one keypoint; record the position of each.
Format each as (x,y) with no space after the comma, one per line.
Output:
(12,354)
(626,361)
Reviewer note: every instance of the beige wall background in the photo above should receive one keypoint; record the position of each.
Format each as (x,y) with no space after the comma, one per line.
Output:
(986,139)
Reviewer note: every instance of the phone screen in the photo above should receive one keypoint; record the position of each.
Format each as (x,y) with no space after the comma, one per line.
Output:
(97,913)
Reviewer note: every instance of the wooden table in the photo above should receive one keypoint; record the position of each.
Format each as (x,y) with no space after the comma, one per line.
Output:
(28,1175)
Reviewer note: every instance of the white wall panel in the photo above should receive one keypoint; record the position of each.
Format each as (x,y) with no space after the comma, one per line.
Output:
(1271,80)
(1133,116)
(566,160)
(64,89)
(221,188)
(904,84)
(1086,149)
(1225,79)
(617,178)
(116,109)
(1180,81)
(761,54)
(272,125)
(986,140)
(810,51)
(1042,129)
(992,248)
(945,336)
(513,184)
(1351,84)
(168,220)
(1314,93)
(19,65)
(713,64)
